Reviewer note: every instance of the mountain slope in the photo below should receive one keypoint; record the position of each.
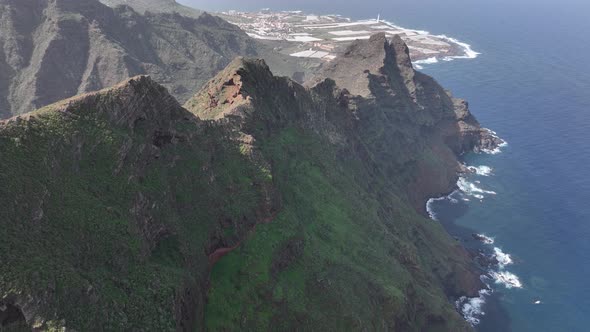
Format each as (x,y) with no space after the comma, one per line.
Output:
(155,6)
(55,49)
(112,203)
(347,251)
(260,205)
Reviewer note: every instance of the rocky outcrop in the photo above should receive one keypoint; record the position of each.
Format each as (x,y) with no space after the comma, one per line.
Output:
(415,123)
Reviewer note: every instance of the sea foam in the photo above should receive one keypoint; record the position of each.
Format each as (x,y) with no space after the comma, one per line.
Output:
(470,189)
(509,280)
(469,53)
(427,61)
(498,149)
(502,258)
(429,208)
(481,170)
(485,239)
(471,308)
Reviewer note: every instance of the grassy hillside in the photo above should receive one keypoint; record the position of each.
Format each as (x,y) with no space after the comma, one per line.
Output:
(108,216)
(346,252)
(262,205)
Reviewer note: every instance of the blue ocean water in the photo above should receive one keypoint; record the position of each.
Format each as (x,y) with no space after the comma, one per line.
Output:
(531,84)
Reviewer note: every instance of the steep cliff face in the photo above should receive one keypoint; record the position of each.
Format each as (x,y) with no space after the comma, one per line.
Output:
(407,119)
(55,49)
(260,205)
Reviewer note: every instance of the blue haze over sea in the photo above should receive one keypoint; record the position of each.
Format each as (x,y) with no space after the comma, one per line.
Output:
(531,84)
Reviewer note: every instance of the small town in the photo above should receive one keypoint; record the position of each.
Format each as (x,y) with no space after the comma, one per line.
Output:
(323,36)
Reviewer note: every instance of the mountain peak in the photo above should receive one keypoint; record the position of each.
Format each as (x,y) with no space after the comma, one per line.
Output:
(362,59)
(232,89)
(137,98)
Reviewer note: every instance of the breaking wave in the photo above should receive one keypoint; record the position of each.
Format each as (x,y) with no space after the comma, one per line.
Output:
(485,239)
(481,170)
(472,307)
(429,208)
(502,258)
(469,53)
(509,280)
(427,61)
(470,189)
(498,149)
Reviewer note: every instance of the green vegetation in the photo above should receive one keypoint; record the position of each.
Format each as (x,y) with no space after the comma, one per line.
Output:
(106,239)
(341,255)
(117,207)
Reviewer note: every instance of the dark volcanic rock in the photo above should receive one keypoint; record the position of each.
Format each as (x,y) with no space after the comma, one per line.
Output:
(419,129)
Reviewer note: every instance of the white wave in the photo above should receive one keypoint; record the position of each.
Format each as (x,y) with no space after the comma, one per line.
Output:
(498,149)
(502,258)
(426,61)
(418,67)
(471,189)
(469,53)
(429,208)
(485,239)
(509,280)
(481,170)
(429,203)
(471,308)
(393,25)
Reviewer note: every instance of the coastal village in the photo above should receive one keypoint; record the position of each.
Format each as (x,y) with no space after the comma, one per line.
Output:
(323,36)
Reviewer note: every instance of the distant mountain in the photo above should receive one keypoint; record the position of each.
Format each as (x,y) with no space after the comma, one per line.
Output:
(261,205)
(155,6)
(54,49)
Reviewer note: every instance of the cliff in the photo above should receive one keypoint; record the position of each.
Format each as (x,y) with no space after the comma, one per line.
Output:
(259,205)
(55,49)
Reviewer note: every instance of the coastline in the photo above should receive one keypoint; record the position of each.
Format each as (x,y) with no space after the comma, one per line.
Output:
(323,37)
(484,312)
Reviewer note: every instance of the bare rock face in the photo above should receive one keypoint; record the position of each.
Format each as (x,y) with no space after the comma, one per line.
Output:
(55,49)
(414,122)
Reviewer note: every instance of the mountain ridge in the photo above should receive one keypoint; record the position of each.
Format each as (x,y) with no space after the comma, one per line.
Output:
(105,45)
(260,195)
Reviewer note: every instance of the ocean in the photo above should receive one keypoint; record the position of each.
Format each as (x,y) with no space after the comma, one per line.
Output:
(531,84)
